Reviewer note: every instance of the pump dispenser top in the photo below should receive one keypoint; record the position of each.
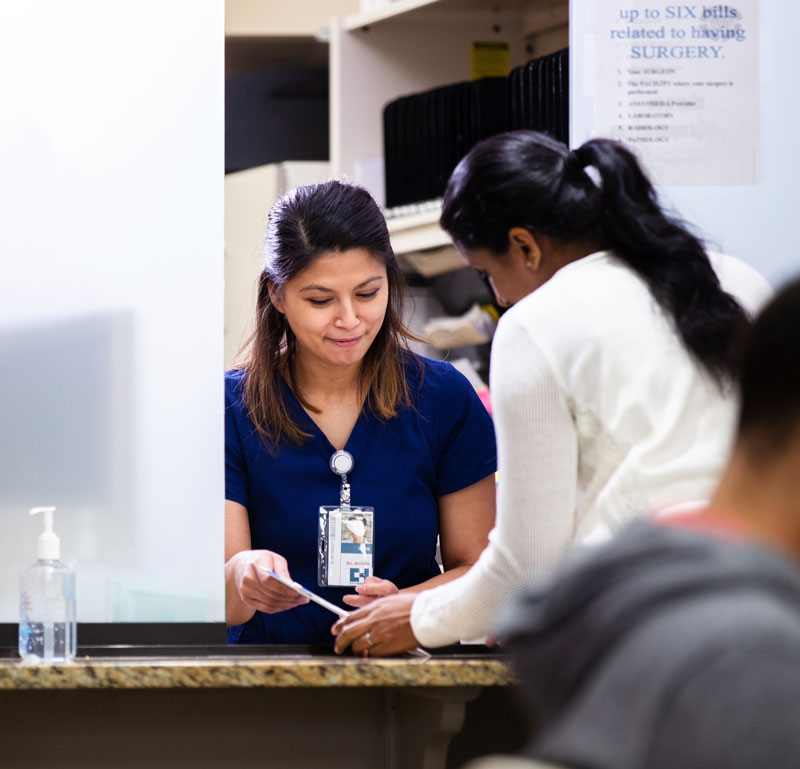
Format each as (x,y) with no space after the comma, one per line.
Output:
(49,546)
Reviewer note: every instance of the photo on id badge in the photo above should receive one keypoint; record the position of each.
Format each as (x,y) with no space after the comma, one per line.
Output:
(357,534)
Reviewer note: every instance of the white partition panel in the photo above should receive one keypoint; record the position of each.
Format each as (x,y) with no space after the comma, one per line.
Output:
(111,301)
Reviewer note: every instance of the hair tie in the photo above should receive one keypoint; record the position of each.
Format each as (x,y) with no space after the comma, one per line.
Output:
(585,167)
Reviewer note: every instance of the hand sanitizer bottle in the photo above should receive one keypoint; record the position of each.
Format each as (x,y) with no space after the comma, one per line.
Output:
(47,631)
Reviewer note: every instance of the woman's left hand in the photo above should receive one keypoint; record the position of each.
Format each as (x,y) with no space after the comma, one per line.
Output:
(378,630)
(369,590)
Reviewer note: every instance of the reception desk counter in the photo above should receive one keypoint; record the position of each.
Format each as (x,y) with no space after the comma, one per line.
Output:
(259,707)
(283,670)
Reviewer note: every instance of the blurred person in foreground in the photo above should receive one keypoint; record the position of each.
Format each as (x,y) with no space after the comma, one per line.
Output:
(678,643)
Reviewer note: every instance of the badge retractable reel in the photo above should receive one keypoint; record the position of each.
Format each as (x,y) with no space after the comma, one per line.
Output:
(345,533)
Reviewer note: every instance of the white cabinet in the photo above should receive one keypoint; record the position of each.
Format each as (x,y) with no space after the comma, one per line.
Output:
(410,46)
(249,195)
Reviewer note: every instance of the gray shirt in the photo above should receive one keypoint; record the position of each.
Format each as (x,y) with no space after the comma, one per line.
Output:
(665,649)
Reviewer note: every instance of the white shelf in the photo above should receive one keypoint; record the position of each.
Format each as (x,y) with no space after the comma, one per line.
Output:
(389,11)
(417,232)
(420,10)
(299,18)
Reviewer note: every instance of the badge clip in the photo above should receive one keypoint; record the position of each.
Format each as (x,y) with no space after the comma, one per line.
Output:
(341,463)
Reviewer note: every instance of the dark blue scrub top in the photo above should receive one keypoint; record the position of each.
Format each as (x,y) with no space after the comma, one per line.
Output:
(402,466)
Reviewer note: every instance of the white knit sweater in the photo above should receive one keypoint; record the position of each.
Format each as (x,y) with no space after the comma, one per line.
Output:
(600,415)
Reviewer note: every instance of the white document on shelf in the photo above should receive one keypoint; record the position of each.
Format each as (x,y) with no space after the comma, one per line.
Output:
(679,84)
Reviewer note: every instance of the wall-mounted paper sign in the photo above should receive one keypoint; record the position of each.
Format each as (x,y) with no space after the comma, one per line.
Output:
(679,83)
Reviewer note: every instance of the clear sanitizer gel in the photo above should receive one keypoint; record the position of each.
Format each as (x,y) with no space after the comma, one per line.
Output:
(47,602)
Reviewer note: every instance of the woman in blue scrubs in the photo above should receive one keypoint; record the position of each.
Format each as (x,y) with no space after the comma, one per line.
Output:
(329,368)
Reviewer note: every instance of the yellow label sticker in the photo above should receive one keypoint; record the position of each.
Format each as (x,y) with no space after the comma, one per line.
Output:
(490,58)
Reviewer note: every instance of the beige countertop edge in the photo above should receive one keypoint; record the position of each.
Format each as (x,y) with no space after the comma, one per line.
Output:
(123,673)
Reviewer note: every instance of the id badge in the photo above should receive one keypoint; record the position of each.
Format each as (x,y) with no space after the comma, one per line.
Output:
(346,540)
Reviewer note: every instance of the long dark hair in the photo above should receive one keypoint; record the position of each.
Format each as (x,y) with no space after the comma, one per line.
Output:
(304,224)
(526,179)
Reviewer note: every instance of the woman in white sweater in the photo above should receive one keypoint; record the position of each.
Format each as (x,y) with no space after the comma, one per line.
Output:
(611,376)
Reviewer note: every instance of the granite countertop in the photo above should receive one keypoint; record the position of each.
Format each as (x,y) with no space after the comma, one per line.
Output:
(280,671)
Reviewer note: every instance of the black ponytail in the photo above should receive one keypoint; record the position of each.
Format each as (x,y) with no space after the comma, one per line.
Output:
(599,192)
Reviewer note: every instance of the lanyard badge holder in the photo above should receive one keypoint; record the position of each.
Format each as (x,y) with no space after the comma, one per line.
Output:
(346,534)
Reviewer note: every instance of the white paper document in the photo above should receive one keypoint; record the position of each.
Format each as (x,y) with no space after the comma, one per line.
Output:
(679,84)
